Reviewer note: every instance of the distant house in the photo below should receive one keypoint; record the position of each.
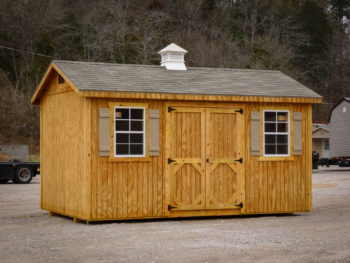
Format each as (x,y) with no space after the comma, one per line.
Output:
(339,123)
(320,139)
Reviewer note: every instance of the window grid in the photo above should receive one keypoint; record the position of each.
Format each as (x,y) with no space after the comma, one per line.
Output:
(129,131)
(277,133)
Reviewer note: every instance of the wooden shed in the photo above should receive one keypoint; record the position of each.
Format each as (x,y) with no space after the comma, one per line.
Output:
(141,141)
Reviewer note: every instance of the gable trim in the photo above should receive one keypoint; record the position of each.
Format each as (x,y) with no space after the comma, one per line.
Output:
(43,83)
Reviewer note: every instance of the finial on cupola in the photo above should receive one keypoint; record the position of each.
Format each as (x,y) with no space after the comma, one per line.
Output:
(173,57)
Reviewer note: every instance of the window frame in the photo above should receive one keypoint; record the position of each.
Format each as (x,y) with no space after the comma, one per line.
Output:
(326,145)
(276,133)
(115,155)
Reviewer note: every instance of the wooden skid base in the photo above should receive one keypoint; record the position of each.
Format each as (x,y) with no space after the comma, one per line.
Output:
(174,214)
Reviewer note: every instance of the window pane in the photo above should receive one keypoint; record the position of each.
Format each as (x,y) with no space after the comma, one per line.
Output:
(270,139)
(270,149)
(270,116)
(136,148)
(282,139)
(121,113)
(282,149)
(270,127)
(137,114)
(136,138)
(136,125)
(122,148)
(282,116)
(122,138)
(122,125)
(282,127)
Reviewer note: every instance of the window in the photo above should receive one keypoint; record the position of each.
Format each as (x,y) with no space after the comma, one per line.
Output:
(326,144)
(276,133)
(129,135)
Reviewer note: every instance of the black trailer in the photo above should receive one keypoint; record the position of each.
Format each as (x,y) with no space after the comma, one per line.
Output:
(17,171)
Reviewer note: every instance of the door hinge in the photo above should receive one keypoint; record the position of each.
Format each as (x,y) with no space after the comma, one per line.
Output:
(239,160)
(240,205)
(240,111)
(171,207)
(171,161)
(170,109)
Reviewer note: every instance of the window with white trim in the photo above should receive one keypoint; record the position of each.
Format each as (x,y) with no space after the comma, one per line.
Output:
(326,144)
(129,131)
(276,133)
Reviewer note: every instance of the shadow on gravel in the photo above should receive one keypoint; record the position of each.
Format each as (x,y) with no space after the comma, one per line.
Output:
(182,219)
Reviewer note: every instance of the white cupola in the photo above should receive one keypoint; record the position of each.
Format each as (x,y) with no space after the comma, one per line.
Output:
(173,57)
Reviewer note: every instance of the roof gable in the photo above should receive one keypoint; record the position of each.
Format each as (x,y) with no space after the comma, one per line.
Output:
(345,99)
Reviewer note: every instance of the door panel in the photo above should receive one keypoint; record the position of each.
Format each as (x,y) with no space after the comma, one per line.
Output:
(187,155)
(204,147)
(223,152)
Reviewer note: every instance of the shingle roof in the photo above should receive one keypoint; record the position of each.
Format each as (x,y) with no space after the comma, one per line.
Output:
(92,76)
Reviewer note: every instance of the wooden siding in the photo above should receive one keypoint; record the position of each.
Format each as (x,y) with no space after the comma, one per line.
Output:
(127,188)
(77,182)
(340,130)
(65,161)
(280,186)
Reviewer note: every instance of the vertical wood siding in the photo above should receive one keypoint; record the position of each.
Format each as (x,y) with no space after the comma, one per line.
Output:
(76,181)
(280,186)
(126,189)
(65,164)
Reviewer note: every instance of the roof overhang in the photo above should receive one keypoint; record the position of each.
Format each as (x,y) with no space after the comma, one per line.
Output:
(161,96)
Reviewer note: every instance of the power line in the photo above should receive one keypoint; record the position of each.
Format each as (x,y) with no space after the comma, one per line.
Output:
(27,52)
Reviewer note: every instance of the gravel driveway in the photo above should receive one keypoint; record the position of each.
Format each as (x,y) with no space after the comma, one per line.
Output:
(28,234)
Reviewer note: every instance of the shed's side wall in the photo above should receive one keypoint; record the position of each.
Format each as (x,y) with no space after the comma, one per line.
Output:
(65,151)
(339,141)
(281,186)
(136,189)
(126,189)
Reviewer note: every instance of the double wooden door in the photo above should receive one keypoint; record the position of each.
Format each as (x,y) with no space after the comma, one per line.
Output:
(205,149)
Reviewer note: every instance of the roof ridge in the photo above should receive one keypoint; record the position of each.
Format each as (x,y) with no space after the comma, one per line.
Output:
(157,66)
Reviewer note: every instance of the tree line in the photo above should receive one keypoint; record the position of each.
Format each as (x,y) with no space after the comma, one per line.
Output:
(308,40)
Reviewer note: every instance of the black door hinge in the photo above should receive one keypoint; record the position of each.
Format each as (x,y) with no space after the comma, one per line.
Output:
(170,109)
(240,111)
(171,207)
(240,205)
(239,160)
(171,161)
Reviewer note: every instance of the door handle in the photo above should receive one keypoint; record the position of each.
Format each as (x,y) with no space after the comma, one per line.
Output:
(207,160)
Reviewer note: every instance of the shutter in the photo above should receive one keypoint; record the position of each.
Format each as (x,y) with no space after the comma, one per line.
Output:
(153,132)
(255,133)
(103,132)
(297,140)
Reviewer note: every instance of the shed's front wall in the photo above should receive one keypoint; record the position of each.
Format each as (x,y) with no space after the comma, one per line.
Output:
(137,188)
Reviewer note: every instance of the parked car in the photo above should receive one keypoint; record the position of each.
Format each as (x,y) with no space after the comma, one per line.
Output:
(17,171)
(324,161)
(344,162)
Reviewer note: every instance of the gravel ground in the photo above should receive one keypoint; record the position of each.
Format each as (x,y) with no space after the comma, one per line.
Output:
(28,234)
